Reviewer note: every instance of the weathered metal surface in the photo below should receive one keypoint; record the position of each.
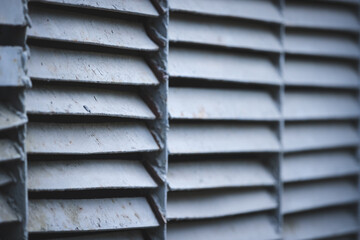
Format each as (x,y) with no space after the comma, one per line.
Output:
(314,104)
(76,66)
(318,72)
(194,103)
(89,214)
(217,138)
(12,13)
(86,101)
(320,15)
(263,10)
(321,43)
(312,195)
(219,173)
(252,227)
(123,235)
(11,65)
(51,24)
(5,179)
(138,7)
(87,174)
(10,118)
(221,32)
(8,151)
(321,224)
(56,138)
(7,214)
(312,166)
(311,136)
(222,66)
(219,203)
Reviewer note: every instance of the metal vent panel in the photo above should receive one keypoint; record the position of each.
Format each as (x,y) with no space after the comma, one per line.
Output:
(89,214)
(12,13)
(8,151)
(76,66)
(11,62)
(9,118)
(7,214)
(88,175)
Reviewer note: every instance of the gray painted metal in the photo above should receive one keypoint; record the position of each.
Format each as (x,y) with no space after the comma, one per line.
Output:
(321,224)
(252,227)
(56,138)
(320,165)
(224,33)
(247,9)
(76,66)
(7,214)
(10,118)
(312,195)
(318,72)
(88,175)
(222,66)
(52,24)
(12,13)
(321,15)
(217,138)
(86,102)
(11,64)
(221,173)
(190,103)
(138,7)
(5,179)
(89,214)
(311,136)
(127,235)
(219,203)
(8,151)
(312,104)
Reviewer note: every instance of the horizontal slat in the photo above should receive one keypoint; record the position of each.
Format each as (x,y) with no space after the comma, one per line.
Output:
(229,8)
(311,166)
(219,203)
(221,66)
(307,196)
(76,66)
(217,138)
(317,72)
(90,215)
(225,33)
(8,151)
(7,214)
(321,44)
(51,24)
(86,101)
(310,104)
(321,15)
(87,175)
(9,118)
(12,13)
(220,173)
(11,66)
(244,228)
(138,7)
(190,103)
(310,136)
(58,138)
(321,224)
(4,178)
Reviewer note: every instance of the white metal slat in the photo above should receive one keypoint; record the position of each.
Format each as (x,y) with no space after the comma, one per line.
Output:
(8,151)
(10,118)
(11,71)
(50,24)
(5,179)
(7,214)
(13,14)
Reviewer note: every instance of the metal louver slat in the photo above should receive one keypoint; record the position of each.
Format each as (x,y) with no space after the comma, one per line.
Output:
(76,66)
(9,118)
(88,175)
(314,195)
(225,33)
(7,214)
(5,179)
(138,7)
(312,166)
(52,24)
(229,8)
(86,101)
(89,214)
(222,66)
(204,174)
(11,63)
(190,103)
(8,151)
(214,138)
(219,203)
(13,14)
(245,228)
